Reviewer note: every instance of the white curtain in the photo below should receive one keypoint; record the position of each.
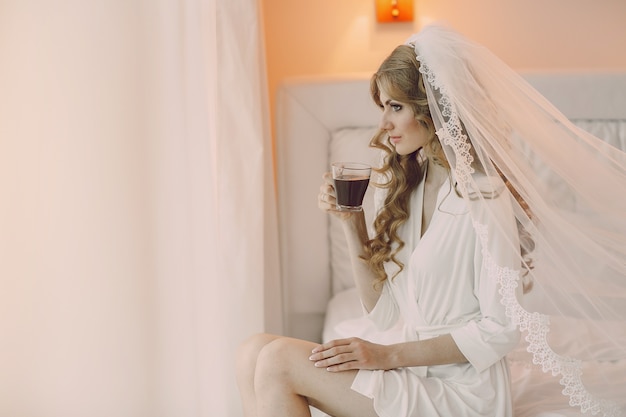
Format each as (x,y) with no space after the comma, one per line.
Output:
(137,230)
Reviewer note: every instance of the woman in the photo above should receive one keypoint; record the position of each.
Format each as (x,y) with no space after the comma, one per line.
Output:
(442,276)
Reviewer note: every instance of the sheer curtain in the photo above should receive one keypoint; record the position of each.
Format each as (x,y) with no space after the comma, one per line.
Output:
(138,241)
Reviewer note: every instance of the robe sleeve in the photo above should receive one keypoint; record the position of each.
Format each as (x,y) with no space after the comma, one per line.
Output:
(491,335)
(385,313)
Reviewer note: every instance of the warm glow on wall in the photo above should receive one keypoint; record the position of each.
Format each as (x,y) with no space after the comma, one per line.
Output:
(394,10)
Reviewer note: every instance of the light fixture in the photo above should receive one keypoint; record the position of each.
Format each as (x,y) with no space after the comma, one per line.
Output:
(394,10)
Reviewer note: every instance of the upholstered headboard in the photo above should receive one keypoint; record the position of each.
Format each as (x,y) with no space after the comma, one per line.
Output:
(319,119)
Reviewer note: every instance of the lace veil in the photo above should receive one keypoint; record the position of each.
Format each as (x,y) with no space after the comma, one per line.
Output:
(570,211)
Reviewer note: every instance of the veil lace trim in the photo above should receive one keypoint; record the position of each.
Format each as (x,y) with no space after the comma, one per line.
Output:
(451,134)
(537,326)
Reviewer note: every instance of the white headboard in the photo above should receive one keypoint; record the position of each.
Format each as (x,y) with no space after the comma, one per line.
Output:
(309,110)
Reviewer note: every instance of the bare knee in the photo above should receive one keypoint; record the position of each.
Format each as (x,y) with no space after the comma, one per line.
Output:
(249,349)
(275,363)
(247,355)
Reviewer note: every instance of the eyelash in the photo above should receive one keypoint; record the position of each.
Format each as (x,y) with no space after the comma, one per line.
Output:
(394,107)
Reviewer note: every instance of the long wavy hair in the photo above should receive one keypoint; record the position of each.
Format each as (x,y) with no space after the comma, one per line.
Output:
(400,78)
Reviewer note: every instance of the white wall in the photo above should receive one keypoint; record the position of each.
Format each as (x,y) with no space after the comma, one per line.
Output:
(327,36)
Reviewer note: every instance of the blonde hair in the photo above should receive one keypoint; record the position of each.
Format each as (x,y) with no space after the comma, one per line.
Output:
(400,78)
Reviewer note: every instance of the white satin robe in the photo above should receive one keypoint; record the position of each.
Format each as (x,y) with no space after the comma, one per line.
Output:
(445,288)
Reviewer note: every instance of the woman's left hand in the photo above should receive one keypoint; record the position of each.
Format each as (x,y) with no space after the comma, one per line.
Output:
(353,353)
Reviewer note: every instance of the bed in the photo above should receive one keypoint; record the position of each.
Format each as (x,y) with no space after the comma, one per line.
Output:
(325,119)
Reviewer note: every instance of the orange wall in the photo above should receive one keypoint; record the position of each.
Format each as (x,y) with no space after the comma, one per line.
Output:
(341,36)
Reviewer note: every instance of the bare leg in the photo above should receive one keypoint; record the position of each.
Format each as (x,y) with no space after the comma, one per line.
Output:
(286,382)
(246,366)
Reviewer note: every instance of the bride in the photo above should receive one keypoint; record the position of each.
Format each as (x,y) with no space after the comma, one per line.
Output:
(465,227)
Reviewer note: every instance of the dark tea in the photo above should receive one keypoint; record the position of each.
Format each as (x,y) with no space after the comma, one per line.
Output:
(350,191)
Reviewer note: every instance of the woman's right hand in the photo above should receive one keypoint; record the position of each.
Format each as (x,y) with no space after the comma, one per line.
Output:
(327,198)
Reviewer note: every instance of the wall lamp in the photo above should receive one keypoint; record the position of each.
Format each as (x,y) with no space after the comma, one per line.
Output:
(388,11)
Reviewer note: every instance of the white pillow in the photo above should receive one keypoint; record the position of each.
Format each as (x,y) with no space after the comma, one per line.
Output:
(349,145)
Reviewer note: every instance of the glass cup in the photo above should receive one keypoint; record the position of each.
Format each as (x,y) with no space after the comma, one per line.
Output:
(351,180)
